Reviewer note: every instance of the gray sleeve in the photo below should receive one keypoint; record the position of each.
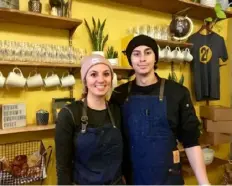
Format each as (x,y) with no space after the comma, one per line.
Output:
(64,147)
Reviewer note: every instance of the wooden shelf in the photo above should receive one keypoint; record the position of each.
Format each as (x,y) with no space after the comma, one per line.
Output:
(29,128)
(37,19)
(122,72)
(187,170)
(173,44)
(196,10)
(58,65)
(38,64)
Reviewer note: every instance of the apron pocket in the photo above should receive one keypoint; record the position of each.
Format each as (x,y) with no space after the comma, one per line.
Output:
(175,175)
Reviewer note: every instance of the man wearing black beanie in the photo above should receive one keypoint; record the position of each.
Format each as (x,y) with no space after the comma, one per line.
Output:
(156,114)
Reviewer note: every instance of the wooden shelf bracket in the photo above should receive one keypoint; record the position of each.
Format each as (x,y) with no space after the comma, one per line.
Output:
(181,12)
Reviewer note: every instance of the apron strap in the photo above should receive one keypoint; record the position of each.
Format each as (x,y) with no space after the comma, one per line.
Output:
(71,113)
(129,90)
(84,117)
(110,115)
(161,94)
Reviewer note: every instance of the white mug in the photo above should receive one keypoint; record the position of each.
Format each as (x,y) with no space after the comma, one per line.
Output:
(168,55)
(67,81)
(34,81)
(177,55)
(15,79)
(52,80)
(161,53)
(2,80)
(187,55)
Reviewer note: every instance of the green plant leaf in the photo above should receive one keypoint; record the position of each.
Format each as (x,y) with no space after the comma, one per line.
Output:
(111,52)
(89,31)
(169,76)
(96,34)
(100,33)
(209,19)
(94,41)
(221,14)
(98,25)
(181,81)
(108,53)
(174,76)
(115,54)
(104,41)
(94,24)
(217,7)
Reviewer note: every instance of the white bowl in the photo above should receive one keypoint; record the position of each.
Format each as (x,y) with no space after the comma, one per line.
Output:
(208,155)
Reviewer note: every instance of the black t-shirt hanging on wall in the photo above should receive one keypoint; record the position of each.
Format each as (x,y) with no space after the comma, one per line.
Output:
(206,51)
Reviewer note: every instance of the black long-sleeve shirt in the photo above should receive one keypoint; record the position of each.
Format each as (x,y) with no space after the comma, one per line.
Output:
(181,114)
(65,135)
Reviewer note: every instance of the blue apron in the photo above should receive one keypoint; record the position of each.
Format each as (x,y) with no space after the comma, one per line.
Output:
(98,153)
(151,141)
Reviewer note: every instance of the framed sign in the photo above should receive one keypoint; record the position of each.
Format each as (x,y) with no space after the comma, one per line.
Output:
(12,115)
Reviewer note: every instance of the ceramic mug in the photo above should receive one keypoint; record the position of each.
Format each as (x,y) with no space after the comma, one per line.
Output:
(16,79)
(2,80)
(51,80)
(168,55)
(187,55)
(34,81)
(161,53)
(68,80)
(177,55)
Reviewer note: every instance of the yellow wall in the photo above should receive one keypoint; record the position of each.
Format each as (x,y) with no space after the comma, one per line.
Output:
(119,18)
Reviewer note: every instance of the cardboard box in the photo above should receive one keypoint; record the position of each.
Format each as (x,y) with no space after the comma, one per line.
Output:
(216,113)
(210,138)
(215,138)
(218,126)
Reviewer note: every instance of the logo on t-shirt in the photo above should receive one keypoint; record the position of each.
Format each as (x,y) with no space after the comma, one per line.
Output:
(205,54)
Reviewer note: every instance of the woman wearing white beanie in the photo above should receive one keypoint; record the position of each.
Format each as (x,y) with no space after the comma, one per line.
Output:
(88,139)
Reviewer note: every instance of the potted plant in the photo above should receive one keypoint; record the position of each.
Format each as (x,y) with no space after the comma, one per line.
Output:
(112,55)
(98,40)
(220,15)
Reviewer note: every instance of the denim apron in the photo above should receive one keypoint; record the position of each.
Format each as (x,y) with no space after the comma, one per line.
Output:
(152,145)
(98,153)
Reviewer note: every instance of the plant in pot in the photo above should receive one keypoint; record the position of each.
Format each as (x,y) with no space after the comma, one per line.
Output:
(97,37)
(220,15)
(172,75)
(112,55)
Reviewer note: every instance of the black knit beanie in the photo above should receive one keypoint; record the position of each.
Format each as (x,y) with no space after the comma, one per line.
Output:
(142,40)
